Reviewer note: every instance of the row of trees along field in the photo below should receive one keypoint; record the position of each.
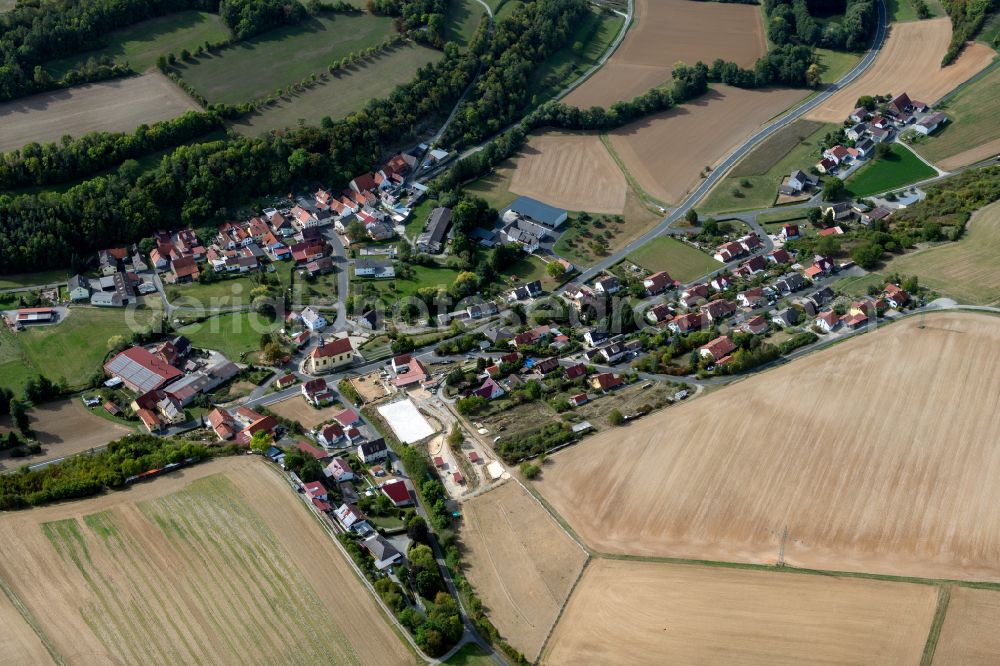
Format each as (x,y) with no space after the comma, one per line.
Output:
(198,183)
(967,18)
(422,20)
(795,22)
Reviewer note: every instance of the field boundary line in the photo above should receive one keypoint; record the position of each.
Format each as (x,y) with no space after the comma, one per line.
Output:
(562,609)
(29,619)
(643,195)
(934,633)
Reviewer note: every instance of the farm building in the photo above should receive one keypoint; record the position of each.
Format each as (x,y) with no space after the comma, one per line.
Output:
(536,211)
(140,370)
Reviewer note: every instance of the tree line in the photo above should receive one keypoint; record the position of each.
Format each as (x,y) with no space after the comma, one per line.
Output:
(246,18)
(521,42)
(421,20)
(967,18)
(52,163)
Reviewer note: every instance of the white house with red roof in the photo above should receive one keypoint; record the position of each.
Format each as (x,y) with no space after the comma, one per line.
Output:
(397,492)
(718,349)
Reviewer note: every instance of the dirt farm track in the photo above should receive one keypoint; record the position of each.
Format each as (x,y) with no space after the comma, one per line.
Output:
(879,455)
(218,563)
(521,563)
(119,105)
(653,613)
(910,62)
(668,31)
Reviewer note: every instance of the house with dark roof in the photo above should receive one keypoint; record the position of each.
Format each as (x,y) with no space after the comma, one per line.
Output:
(536,211)
(432,239)
(382,551)
(373,451)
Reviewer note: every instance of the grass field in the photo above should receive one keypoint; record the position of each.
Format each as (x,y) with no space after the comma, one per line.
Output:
(232,334)
(40,278)
(885,495)
(626,612)
(260,66)
(973,130)
(73,349)
(835,64)
(342,94)
(965,270)
(521,563)
(900,167)
(423,276)
(596,32)
(857,287)
(141,44)
(990,31)
(682,262)
(464,17)
(797,147)
(119,105)
(470,655)
(506,9)
(207,565)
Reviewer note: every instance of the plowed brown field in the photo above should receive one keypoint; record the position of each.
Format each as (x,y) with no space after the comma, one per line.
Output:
(650,613)
(880,454)
(667,152)
(521,563)
(668,31)
(219,563)
(119,105)
(969,635)
(910,62)
(572,171)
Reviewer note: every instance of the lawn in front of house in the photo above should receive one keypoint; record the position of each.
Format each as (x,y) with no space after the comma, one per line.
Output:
(233,334)
(898,168)
(754,182)
(398,288)
(278,58)
(683,262)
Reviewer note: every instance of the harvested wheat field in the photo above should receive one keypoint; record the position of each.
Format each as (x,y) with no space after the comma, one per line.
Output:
(969,633)
(572,171)
(63,428)
(119,105)
(668,31)
(219,563)
(296,408)
(652,613)
(521,563)
(879,454)
(910,62)
(667,152)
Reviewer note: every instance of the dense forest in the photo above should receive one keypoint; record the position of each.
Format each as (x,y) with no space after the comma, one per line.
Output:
(967,18)
(520,43)
(246,18)
(794,22)
(421,20)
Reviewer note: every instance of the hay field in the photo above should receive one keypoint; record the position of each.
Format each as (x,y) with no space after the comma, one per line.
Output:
(572,171)
(651,613)
(668,31)
(296,408)
(968,635)
(63,428)
(521,563)
(879,454)
(218,563)
(973,130)
(666,152)
(964,270)
(910,61)
(119,105)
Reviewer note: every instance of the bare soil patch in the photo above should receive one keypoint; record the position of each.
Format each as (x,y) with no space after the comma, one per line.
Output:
(119,105)
(969,634)
(369,387)
(638,612)
(879,454)
(667,152)
(210,564)
(970,156)
(572,171)
(63,428)
(910,62)
(521,562)
(668,31)
(296,408)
